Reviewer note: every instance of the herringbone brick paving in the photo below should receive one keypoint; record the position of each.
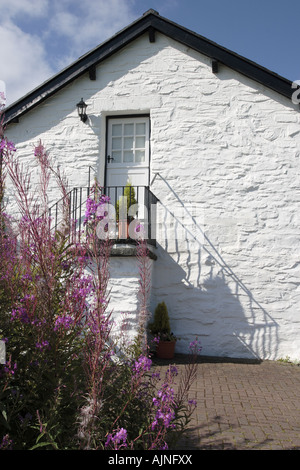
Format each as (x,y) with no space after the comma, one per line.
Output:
(242,405)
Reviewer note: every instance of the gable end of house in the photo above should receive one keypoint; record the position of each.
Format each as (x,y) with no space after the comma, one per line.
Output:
(151,22)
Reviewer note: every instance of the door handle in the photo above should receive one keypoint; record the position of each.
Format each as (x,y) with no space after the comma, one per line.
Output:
(110,159)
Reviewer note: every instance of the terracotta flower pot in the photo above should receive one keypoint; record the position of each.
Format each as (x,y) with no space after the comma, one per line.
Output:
(127,228)
(165,349)
(123,226)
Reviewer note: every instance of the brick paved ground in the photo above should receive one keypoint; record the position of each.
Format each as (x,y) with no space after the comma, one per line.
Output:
(240,405)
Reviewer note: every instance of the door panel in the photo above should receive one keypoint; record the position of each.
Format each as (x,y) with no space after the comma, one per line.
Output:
(127,151)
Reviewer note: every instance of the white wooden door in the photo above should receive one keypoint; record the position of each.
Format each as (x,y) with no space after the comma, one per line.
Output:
(127,156)
(127,151)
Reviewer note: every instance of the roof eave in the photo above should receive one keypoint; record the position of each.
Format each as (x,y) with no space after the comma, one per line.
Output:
(76,69)
(224,56)
(153,20)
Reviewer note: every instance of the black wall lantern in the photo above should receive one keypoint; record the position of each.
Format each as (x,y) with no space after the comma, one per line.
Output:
(81,106)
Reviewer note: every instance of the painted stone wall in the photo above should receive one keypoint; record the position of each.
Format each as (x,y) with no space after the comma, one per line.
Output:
(125,301)
(225,157)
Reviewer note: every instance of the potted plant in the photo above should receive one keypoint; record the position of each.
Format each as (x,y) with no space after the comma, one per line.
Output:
(122,208)
(161,330)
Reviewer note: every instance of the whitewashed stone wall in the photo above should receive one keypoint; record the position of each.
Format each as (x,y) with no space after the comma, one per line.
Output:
(125,301)
(227,153)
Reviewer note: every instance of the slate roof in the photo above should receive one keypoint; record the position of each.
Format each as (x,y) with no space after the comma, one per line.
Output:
(149,23)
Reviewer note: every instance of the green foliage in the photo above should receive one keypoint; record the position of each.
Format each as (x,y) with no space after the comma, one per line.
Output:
(288,360)
(62,386)
(161,322)
(125,201)
(45,372)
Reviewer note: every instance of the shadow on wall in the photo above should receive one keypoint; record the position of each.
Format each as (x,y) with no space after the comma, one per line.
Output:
(206,299)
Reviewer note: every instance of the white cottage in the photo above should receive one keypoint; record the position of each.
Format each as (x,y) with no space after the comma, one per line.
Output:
(210,141)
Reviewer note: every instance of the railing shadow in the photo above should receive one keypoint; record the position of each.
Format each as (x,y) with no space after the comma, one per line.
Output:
(215,292)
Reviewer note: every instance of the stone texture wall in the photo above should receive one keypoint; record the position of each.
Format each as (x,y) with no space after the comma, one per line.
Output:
(227,153)
(125,302)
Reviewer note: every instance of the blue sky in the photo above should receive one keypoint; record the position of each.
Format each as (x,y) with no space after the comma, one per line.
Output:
(38,38)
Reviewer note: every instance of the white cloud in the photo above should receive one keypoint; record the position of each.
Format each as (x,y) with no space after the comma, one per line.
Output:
(87,24)
(61,31)
(24,61)
(17,8)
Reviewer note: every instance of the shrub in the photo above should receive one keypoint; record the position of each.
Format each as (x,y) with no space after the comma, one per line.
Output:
(125,201)
(161,322)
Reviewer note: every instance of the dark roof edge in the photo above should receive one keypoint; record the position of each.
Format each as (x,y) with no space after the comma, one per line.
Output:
(225,56)
(150,19)
(76,69)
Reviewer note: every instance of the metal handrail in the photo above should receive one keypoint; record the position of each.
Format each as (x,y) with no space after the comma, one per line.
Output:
(78,196)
